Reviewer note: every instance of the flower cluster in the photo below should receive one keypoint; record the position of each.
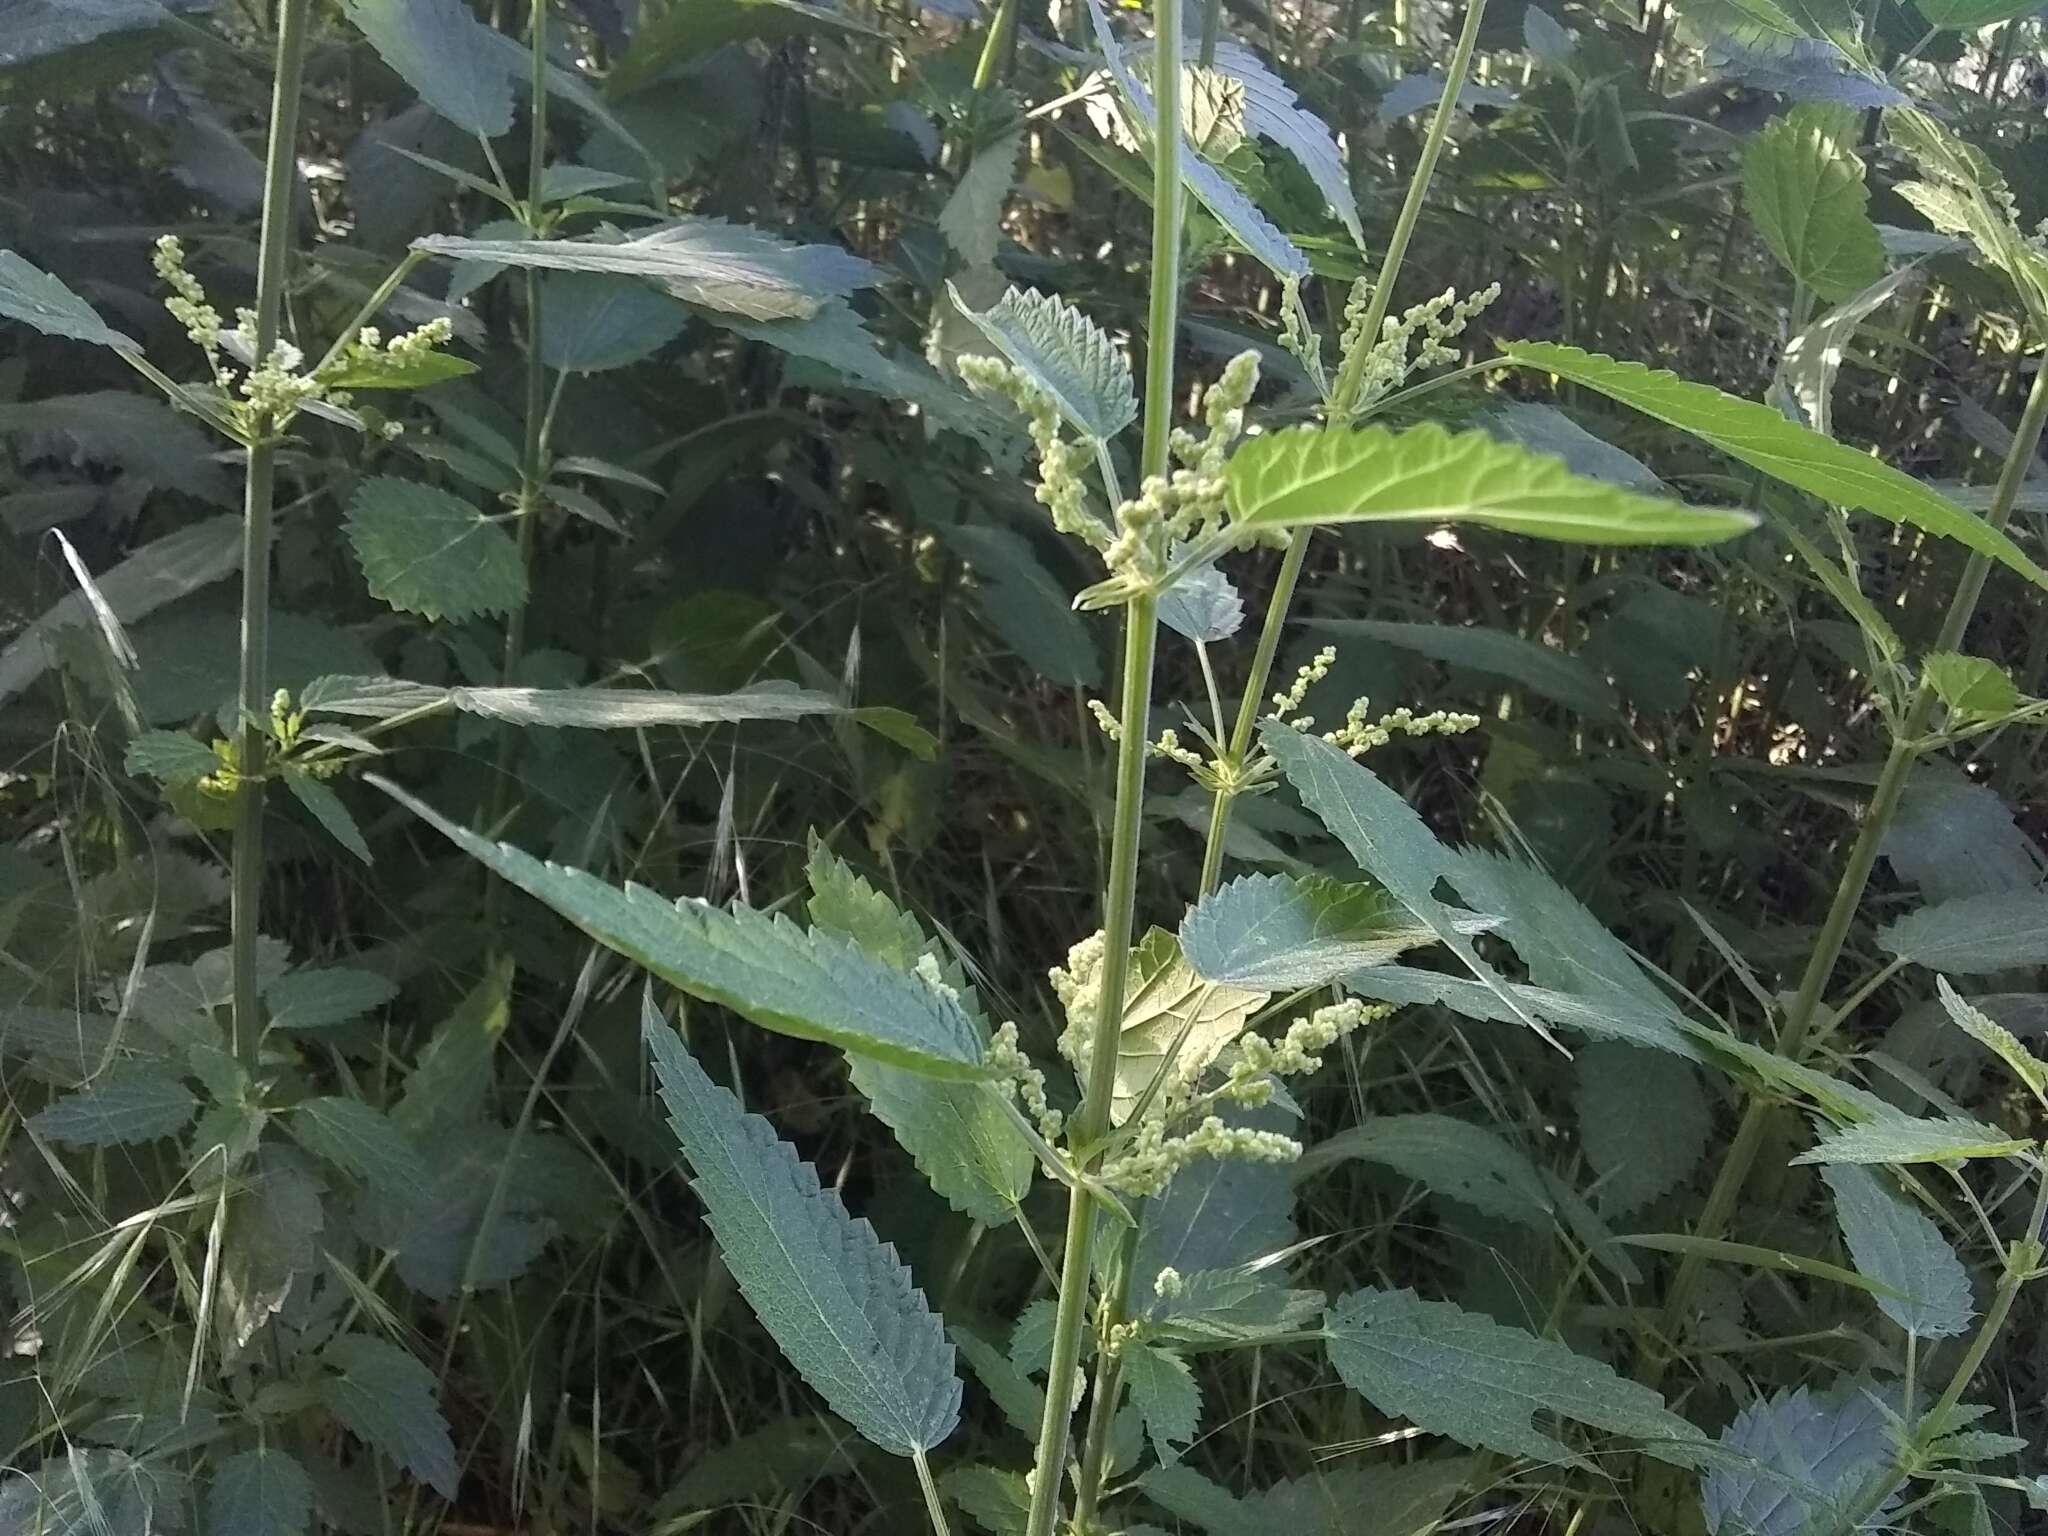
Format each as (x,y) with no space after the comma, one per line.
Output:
(275,387)
(1417,340)
(1015,1068)
(1358,735)
(1139,542)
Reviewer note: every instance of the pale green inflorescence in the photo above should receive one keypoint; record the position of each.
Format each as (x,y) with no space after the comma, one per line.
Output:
(275,388)
(1418,340)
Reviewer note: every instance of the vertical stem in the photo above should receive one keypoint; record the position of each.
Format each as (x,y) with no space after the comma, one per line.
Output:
(280,164)
(1802,1019)
(1343,402)
(1141,625)
(997,47)
(534,447)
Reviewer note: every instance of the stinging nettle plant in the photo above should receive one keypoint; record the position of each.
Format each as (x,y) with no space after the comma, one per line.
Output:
(1182,1031)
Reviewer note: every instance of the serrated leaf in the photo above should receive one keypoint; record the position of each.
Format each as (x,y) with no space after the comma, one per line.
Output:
(325,807)
(832,1294)
(1973,935)
(1281,932)
(450,1081)
(1311,476)
(128,1103)
(78,1492)
(1817,1451)
(1805,381)
(442,51)
(169,756)
(425,551)
(1964,194)
(958,1134)
(997,1501)
(1455,1373)
(1762,438)
(733,268)
(1802,185)
(1552,674)
(1898,1246)
(1547,430)
(264,1492)
(386,1398)
(1021,1399)
(1453,1158)
(385,371)
(1970,15)
(816,986)
(34,297)
(1065,354)
(1231,208)
(1389,842)
(1273,111)
(1807,69)
(1971,688)
(1172,1017)
(1203,606)
(140,434)
(787,1453)
(2029,1069)
(1166,1396)
(362,1141)
(317,997)
(1643,1121)
(1339,1500)
(1901,1139)
(595,321)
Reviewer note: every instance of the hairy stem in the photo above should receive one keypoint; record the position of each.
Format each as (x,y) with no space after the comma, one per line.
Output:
(1343,402)
(1804,1019)
(259,493)
(1141,626)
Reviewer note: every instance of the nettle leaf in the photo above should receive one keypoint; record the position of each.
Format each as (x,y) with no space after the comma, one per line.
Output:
(386,1398)
(1901,1139)
(1817,1450)
(1971,688)
(1802,185)
(32,296)
(325,807)
(170,756)
(94,1493)
(733,268)
(1970,15)
(425,551)
(594,321)
(2029,1069)
(1231,208)
(1545,429)
(1805,380)
(1973,935)
(442,51)
(1643,1120)
(1166,1396)
(1281,932)
(833,1295)
(1026,605)
(1898,1246)
(1065,354)
(129,1103)
(959,1134)
(814,985)
(972,220)
(362,1141)
(264,1492)
(1310,476)
(1964,194)
(321,996)
(1339,1500)
(1273,111)
(994,1499)
(1455,1373)
(1171,1017)
(1021,1399)
(1762,438)
(1553,674)
(1203,606)
(1390,842)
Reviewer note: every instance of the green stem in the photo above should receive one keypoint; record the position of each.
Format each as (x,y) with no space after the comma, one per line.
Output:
(533,450)
(997,47)
(1342,404)
(280,166)
(2020,1261)
(1141,627)
(1803,1020)
(376,301)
